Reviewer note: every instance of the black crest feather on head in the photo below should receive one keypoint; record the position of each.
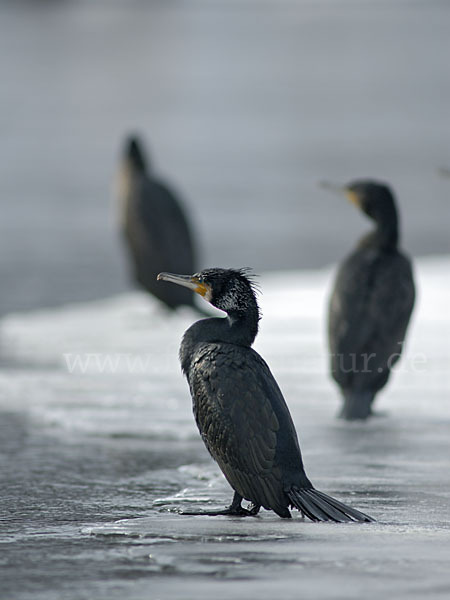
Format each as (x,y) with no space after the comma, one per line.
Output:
(248,274)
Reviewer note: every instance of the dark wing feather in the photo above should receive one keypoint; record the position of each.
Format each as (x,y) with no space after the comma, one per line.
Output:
(239,410)
(369,313)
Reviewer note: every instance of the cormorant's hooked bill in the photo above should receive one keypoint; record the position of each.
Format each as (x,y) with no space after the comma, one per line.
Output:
(348,191)
(239,409)
(332,186)
(193,282)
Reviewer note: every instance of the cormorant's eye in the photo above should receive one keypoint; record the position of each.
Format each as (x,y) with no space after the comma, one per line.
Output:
(200,279)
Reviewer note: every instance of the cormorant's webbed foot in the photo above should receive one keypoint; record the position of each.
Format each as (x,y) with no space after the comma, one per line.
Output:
(234,510)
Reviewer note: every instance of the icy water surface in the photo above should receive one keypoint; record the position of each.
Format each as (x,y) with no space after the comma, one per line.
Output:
(99,448)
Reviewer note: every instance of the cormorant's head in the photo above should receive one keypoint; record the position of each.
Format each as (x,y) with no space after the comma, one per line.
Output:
(135,154)
(374,198)
(230,290)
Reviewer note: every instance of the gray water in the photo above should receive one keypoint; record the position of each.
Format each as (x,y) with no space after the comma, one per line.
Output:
(245,105)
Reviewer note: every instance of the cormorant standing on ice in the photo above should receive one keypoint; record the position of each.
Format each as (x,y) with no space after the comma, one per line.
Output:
(154,226)
(239,409)
(371,303)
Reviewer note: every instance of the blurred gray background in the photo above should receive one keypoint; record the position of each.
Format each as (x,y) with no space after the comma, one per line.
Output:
(245,105)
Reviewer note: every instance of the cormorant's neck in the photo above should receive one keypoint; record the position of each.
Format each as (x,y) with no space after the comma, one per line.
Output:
(239,329)
(243,327)
(386,232)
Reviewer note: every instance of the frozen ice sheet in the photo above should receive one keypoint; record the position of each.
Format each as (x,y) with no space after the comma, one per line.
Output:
(88,443)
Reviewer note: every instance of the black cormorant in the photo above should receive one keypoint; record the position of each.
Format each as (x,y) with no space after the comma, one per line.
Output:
(371,303)
(155,227)
(239,409)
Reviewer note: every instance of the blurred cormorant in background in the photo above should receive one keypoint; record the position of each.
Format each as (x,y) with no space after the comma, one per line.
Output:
(155,227)
(239,409)
(371,303)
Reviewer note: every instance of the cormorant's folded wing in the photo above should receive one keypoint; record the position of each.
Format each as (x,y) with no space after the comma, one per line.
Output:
(234,397)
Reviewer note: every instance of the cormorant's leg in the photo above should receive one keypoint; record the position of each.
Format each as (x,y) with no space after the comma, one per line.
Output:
(235,509)
(357,405)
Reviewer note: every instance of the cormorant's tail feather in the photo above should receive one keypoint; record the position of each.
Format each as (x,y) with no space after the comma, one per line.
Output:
(317,506)
(357,405)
